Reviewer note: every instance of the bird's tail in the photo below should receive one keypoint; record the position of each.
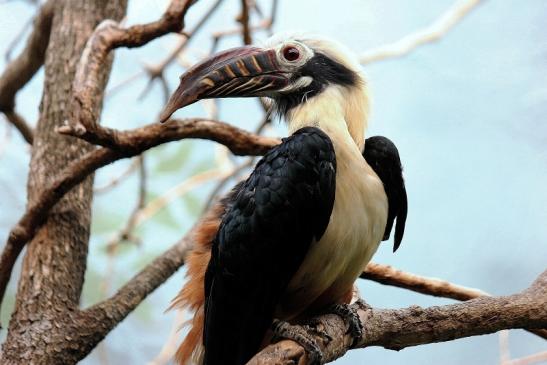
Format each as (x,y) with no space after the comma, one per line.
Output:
(192,295)
(191,349)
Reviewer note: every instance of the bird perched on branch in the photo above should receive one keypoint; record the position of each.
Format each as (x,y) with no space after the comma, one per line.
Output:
(291,240)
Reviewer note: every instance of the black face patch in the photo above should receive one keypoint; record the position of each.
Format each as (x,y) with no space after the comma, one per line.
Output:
(324,71)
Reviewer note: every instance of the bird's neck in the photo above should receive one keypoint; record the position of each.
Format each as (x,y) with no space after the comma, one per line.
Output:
(336,110)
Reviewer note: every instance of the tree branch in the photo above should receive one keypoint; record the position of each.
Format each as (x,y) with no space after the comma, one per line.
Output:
(132,143)
(126,233)
(399,328)
(531,359)
(24,67)
(109,313)
(19,36)
(177,191)
(20,124)
(156,71)
(223,181)
(264,24)
(106,37)
(388,275)
(244,20)
(119,178)
(434,32)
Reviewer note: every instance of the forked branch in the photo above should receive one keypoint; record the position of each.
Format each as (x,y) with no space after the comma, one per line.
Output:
(106,37)
(434,32)
(131,144)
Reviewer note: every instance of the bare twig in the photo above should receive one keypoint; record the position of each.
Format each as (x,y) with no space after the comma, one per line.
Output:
(156,72)
(24,67)
(125,142)
(20,124)
(392,329)
(400,328)
(528,360)
(106,37)
(116,180)
(126,233)
(170,347)
(176,192)
(244,20)
(237,170)
(18,37)
(438,29)
(265,121)
(107,314)
(114,89)
(228,177)
(264,24)
(505,354)
(5,139)
(273,15)
(134,142)
(211,108)
(387,275)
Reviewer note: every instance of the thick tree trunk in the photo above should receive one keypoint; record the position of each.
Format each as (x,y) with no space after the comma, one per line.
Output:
(46,321)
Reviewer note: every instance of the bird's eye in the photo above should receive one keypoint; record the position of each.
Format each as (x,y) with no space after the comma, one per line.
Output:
(291,53)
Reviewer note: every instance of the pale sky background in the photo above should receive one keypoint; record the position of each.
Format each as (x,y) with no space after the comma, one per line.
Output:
(468,115)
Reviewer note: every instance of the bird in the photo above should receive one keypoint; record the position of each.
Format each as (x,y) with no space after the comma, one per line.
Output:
(290,240)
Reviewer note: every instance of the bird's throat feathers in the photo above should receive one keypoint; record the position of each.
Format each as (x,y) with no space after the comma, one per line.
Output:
(336,109)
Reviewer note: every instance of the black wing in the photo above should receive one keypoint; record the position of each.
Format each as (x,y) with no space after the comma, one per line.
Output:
(272,219)
(382,155)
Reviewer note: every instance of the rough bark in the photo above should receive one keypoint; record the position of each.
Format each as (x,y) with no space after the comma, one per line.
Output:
(108,313)
(54,265)
(388,275)
(131,143)
(108,36)
(396,329)
(47,325)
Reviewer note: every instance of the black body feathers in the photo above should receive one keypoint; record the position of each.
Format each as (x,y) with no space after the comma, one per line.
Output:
(382,155)
(273,218)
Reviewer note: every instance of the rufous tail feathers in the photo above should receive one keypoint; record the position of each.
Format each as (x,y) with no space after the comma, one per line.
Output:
(192,296)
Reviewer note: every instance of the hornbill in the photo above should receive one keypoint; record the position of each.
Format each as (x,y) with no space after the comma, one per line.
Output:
(291,240)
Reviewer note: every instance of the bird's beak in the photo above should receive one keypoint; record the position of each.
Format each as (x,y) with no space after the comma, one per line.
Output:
(237,72)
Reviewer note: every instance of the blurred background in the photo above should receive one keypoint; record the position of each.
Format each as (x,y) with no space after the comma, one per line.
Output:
(468,114)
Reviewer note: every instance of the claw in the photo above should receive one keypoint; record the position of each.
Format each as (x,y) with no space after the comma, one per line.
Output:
(350,315)
(296,333)
(313,325)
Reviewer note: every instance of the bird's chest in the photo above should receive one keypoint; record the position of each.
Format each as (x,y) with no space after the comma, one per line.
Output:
(355,229)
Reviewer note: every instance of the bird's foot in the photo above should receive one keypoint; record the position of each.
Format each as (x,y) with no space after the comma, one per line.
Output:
(314,324)
(349,313)
(300,335)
